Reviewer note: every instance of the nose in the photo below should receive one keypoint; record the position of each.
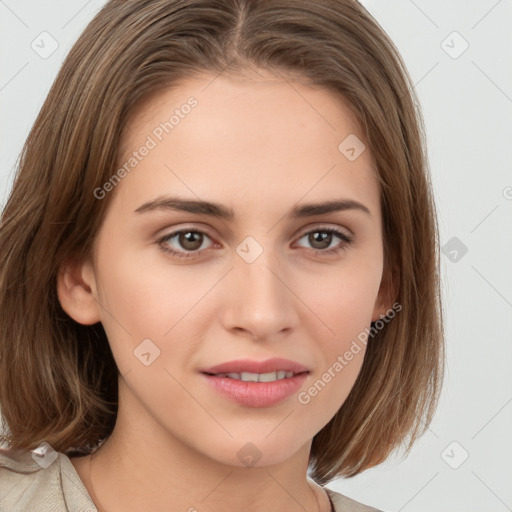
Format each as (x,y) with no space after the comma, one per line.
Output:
(259,298)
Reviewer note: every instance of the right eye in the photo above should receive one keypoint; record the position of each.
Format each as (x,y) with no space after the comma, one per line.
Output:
(187,243)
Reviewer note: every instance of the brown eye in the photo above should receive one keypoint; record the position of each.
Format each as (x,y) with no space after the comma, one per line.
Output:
(190,240)
(321,239)
(184,243)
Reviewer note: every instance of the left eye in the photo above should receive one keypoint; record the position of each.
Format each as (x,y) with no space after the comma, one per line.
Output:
(323,237)
(191,242)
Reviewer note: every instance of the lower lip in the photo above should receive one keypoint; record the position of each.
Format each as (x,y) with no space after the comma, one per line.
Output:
(256,394)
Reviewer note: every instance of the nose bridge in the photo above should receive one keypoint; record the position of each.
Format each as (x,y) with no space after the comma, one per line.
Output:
(261,302)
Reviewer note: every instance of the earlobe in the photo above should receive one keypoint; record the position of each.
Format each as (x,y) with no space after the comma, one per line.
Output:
(76,289)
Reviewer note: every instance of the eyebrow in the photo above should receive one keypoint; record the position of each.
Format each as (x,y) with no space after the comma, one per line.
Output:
(222,212)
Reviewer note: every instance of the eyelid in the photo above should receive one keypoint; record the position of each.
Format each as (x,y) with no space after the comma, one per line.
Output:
(304,231)
(327,227)
(177,230)
(346,239)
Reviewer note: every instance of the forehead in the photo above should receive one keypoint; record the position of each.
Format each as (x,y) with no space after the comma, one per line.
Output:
(235,137)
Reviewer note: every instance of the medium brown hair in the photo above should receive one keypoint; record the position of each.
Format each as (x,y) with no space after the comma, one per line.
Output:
(58,379)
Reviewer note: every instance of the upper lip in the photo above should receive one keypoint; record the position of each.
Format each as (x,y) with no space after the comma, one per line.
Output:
(252,366)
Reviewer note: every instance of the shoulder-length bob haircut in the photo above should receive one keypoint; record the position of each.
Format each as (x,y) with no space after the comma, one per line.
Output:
(58,379)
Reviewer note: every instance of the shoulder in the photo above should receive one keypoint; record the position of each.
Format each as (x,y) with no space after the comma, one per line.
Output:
(42,481)
(344,504)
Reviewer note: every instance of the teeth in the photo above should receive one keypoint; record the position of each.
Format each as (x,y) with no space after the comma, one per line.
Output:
(258,377)
(250,377)
(268,377)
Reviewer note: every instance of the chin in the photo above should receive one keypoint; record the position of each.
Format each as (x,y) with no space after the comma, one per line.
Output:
(256,451)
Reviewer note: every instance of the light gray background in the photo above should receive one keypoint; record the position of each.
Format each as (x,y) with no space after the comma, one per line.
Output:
(467,104)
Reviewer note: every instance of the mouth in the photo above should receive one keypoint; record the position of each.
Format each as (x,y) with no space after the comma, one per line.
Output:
(256,383)
(257,377)
(239,367)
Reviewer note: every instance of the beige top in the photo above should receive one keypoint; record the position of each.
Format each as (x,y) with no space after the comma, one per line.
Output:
(25,486)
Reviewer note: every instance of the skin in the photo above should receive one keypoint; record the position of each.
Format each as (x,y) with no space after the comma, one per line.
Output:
(260,146)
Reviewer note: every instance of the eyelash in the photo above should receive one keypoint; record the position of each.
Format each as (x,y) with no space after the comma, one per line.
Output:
(347,240)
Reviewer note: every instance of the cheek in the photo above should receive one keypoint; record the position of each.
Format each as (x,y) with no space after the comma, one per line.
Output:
(150,300)
(344,298)
(146,296)
(150,296)
(345,305)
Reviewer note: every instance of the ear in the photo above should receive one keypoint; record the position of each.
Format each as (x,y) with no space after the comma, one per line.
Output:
(387,292)
(77,291)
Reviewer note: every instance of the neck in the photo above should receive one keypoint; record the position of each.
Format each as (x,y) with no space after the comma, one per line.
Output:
(142,468)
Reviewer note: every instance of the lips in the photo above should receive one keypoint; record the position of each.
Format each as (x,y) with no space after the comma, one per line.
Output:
(252,366)
(256,383)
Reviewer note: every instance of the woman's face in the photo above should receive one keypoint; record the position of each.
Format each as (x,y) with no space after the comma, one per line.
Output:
(255,274)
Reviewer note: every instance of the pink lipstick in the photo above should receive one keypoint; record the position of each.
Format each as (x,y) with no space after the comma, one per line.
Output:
(256,383)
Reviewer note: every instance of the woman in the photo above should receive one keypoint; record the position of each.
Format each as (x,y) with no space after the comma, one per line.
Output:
(219,264)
